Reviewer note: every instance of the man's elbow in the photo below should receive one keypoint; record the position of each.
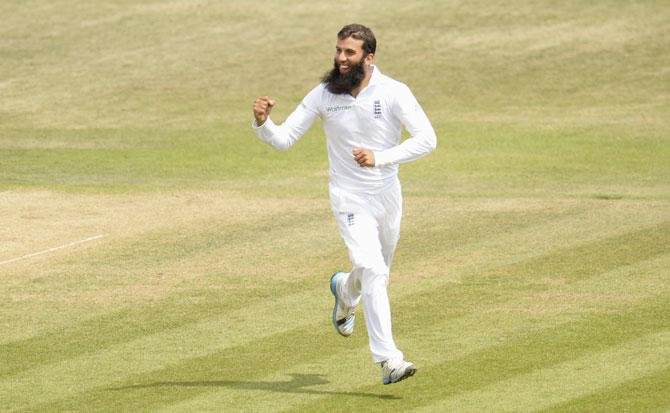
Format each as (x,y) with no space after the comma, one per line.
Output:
(277,142)
(282,145)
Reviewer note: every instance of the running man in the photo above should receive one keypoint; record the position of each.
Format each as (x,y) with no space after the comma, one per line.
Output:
(363,112)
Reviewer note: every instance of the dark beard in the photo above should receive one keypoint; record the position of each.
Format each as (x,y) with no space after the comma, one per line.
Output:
(339,84)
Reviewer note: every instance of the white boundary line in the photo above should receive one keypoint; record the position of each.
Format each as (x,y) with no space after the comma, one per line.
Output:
(81,241)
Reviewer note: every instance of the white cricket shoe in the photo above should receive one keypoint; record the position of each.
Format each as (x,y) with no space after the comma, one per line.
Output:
(343,316)
(394,371)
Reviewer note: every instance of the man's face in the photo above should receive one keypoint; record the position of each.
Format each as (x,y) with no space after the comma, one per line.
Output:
(350,66)
(348,53)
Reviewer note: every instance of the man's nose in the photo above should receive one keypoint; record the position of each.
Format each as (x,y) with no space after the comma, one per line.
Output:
(340,57)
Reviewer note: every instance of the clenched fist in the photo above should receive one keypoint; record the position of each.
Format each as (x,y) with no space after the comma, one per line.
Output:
(262,107)
(364,157)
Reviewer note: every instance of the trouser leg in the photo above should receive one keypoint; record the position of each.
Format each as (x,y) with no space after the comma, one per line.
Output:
(368,279)
(376,299)
(378,317)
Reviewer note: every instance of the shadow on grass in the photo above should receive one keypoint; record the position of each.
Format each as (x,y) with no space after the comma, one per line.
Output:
(297,384)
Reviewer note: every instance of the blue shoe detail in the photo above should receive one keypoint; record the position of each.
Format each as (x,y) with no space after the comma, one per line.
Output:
(344,326)
(333,290)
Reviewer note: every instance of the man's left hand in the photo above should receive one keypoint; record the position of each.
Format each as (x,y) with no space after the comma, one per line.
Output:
(364,157)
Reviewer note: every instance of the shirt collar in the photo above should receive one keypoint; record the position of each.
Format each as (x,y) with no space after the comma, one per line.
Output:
(376,75)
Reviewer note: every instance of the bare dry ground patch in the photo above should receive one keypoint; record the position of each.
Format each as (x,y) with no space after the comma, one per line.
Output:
(54,266)
(36,220)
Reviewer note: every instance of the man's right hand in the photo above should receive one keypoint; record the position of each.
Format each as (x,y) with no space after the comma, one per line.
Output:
(262,107)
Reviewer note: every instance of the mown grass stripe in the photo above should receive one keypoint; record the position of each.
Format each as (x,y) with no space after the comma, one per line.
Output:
(153,351)
(441,337)
(341,371)
(590,259)
(538,274)
(487,345)
(117,327)
(648,393)
(229,369)
(483,357)
(520,356)
(557,383)
(532,243)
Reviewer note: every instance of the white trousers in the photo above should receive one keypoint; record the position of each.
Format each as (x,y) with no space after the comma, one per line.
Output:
(370,227)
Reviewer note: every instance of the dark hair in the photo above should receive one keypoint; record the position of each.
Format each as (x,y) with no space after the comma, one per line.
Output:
(360,32)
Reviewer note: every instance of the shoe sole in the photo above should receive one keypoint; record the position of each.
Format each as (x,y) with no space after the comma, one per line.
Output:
(409,372)
(333,290)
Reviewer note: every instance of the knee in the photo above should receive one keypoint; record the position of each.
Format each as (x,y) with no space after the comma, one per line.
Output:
(374,279)
(369,261)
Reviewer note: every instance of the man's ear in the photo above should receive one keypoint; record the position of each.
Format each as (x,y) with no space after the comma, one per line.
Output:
(370,58)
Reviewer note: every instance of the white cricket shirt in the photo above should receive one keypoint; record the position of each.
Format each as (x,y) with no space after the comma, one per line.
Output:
(372,120)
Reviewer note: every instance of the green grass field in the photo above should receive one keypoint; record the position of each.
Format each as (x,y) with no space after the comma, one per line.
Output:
(156,256)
